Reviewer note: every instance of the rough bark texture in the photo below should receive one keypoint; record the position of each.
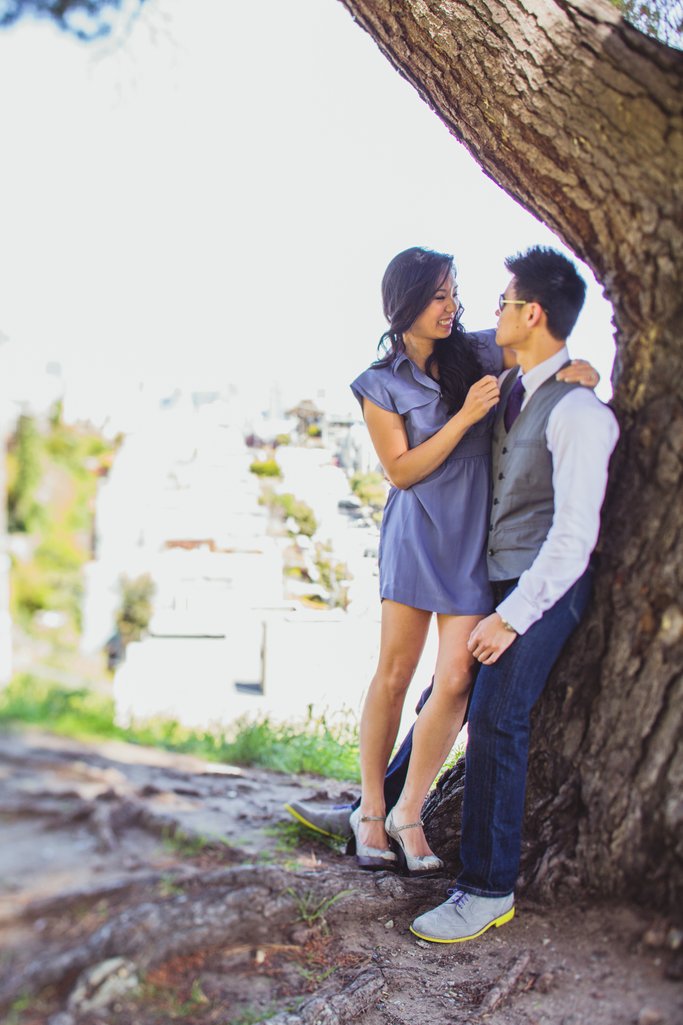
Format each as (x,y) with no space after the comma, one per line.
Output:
(580,118)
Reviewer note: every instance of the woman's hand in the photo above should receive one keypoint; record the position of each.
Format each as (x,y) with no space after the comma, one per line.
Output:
(482,396)
(581,372)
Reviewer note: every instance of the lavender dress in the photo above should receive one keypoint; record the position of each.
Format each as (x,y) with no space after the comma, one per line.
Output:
(432,552)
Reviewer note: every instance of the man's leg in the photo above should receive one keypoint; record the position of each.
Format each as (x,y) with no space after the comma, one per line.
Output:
(495,779)
(335,821)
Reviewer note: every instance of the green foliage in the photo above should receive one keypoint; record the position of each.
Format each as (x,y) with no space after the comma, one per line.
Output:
(300,512)
(313,746)
(283,439)
(662,19)
(87,20)
(265,468)
(25,470)
(332,573)
(255,1016)
(59,551)
(313,431)
(31,592)
(67,461)
(78,712)
(190,845)
(309,908)
(168,1002)
(16,1009)
(133,617)
(370,488)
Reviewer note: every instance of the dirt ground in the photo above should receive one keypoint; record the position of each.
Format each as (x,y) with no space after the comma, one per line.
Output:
(140,888)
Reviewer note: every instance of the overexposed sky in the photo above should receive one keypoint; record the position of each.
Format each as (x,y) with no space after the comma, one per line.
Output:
(212,201)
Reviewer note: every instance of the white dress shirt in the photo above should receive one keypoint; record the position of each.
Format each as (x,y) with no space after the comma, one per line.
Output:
(581,435)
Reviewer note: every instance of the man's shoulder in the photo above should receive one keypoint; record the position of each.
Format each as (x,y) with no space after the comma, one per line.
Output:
(580,409)
(578,398)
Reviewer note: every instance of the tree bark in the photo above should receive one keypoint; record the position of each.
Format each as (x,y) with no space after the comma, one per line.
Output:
(580,117)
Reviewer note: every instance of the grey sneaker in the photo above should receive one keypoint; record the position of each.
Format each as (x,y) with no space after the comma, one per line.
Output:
(328,821)
(463,917)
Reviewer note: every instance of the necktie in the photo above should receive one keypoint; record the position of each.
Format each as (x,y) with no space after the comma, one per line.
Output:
(513,406)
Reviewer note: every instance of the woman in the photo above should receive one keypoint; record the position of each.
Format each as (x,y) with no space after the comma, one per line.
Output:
(428,406)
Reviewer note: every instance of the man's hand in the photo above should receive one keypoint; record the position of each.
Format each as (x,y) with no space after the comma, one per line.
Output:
(490,639)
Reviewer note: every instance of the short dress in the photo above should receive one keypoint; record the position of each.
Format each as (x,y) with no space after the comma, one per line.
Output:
(432,551)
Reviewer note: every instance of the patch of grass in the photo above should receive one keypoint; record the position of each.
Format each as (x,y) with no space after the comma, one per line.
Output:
(170,1003)
(252,1016)
(313,745)
(15,1011)
(74,712)
(191,845)
(290,834)
(316,976)
(309,909)
(168,887)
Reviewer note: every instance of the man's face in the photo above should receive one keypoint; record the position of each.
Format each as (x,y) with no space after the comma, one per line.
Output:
(511,329)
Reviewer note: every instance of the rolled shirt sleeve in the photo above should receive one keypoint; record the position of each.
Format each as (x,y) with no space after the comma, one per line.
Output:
(371,385)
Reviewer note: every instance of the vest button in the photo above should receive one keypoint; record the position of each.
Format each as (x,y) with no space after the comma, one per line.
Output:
(490,526)
(491,551)
(500,476)
(504,451)
(495,501)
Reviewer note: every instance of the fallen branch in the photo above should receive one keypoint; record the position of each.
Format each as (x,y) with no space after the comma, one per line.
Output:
(506,984)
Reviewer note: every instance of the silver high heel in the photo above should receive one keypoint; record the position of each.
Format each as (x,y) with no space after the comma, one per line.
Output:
(370,858)
(413,864)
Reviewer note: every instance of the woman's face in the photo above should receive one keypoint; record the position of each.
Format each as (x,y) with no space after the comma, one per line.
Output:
(437,318)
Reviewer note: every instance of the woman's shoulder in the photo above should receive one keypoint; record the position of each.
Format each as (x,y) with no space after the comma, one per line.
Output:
(375,383)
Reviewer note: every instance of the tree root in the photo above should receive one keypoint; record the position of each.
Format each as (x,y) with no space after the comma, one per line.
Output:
(249,904)
(107,815)
(326,1008)
(61,904)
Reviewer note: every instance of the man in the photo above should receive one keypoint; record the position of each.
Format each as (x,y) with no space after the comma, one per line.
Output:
(552,442)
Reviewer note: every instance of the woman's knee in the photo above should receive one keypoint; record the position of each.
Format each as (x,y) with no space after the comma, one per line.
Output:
(394,676)
(456,682)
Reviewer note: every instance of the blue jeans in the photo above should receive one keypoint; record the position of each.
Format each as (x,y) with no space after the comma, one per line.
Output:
(498,746)
(397,770)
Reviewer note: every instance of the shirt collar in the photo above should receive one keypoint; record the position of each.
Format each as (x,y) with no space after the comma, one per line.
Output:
(401,358)
(418,375)
(541,373)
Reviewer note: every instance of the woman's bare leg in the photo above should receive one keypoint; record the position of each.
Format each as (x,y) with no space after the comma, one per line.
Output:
(437,725)
(404,631)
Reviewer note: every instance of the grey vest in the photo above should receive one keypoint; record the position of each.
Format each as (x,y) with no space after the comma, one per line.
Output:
(522,468)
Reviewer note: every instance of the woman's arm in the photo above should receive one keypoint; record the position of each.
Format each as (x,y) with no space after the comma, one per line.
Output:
(579,370)
(405,466)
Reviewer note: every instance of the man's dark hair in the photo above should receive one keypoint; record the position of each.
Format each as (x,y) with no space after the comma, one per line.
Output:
(547,277)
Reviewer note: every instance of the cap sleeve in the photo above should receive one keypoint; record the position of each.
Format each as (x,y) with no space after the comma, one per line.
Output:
(490,355)
(371,385)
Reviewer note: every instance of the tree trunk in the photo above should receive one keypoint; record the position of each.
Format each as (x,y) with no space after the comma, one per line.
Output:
(579,117)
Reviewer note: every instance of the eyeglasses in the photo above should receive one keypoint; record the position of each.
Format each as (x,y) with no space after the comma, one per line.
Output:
(502,301)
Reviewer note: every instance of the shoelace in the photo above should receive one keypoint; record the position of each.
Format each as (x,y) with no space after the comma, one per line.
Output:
(457,897)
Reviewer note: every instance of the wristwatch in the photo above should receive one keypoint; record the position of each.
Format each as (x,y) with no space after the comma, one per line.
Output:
(507,626)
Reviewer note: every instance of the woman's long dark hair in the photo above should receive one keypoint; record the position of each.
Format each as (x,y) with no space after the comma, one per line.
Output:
(408,286)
